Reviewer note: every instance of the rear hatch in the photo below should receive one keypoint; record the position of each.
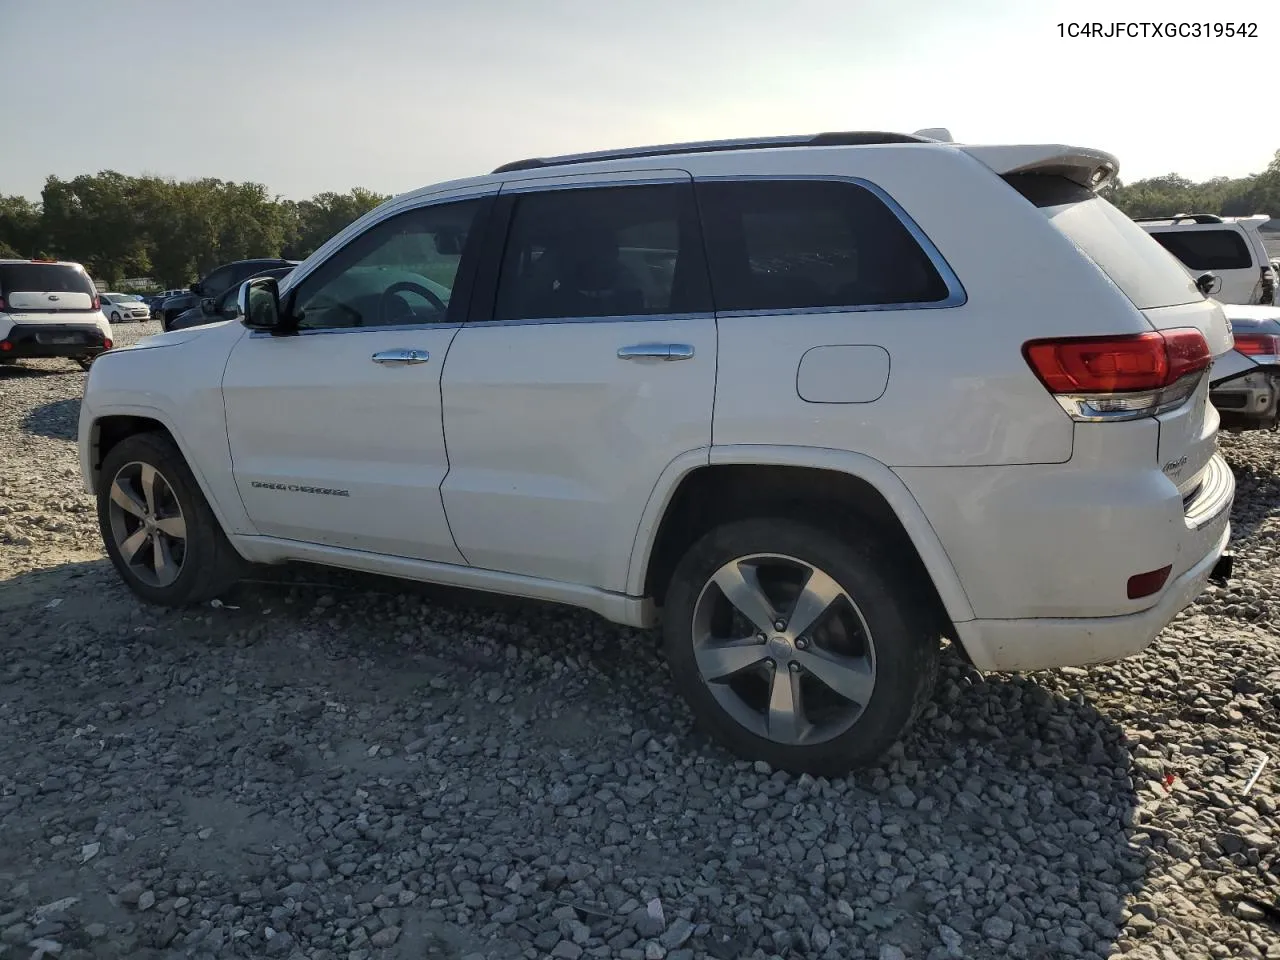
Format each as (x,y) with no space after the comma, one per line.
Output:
(33,292)
(1060,181)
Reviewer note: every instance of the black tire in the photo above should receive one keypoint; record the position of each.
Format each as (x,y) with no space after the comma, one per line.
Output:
(85,362)
(210,565)
(115,317)
(906,649)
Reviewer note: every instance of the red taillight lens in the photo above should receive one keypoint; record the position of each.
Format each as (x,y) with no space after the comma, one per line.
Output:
(1258,344)
(1145,584)
(1143,361)
(5,346)
(106,344)
(1117,377)
(2,306)
(97,303)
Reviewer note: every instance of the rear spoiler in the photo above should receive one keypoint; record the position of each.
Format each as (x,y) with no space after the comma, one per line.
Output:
(1087,167)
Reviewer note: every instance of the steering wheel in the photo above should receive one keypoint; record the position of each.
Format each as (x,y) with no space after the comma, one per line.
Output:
(408,286)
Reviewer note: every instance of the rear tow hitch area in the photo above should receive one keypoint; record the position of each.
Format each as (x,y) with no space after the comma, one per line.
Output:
(1222,569)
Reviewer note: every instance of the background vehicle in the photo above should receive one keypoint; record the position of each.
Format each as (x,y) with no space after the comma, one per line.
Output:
(703,379)
(224,307)
(49,308)
(1245,384)
(1229,247)
(215,283)
(118,307)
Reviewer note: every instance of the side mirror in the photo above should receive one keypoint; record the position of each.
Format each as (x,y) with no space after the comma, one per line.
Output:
(259,304)
(1208,284)
(195,288)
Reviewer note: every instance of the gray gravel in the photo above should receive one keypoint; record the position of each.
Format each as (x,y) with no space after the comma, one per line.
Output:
(338,767)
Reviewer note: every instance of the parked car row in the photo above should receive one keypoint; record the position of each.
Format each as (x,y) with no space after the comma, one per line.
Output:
(1229,260)
(811,403)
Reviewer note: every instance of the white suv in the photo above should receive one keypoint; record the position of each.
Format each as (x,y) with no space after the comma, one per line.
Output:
(820,401)
(49,308)
(1230,248)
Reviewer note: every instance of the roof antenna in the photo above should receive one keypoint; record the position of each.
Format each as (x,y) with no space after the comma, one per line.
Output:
(941,134)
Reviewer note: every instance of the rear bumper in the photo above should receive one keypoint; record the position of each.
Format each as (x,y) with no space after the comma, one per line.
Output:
(1250,400)
(53,340)
(1046,643)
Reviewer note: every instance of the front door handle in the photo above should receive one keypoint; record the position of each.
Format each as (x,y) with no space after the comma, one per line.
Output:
(656,351)
(401,357)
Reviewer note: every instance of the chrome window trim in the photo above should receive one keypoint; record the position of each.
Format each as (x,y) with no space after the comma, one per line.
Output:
(325,331)
(956,294)
(621,318)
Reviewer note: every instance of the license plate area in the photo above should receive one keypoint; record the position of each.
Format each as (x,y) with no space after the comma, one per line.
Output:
(59,338)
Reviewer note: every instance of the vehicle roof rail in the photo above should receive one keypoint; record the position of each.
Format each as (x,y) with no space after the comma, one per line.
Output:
(1180,217)
(834,139)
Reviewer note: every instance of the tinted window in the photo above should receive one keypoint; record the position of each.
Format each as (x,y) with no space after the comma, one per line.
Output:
(401,271)
(1207,249)
(777,245)
(42,278)
(603,252)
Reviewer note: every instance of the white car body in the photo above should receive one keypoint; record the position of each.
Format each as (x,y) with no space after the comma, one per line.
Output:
(544,459)
(1229,247)
(119,307)
(59,319)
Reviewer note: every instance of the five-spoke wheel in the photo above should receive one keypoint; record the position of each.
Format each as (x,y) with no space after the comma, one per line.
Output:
(157,526)
(796,645)
(147,524)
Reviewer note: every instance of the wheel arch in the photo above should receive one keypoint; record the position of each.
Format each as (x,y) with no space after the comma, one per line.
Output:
(697,492)
(107,429)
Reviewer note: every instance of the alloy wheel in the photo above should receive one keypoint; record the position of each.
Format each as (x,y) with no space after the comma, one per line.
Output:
(147,524)
(784,649)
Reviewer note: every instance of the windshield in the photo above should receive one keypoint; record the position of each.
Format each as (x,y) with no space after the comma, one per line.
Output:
(1144,271)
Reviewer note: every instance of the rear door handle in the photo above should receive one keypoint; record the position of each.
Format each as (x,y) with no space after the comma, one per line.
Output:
(401,357)
(656,351)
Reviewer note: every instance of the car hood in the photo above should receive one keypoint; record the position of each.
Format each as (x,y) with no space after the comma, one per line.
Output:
(169,339)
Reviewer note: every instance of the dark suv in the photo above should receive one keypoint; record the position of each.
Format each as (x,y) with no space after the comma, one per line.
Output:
(222,307)
(215,283)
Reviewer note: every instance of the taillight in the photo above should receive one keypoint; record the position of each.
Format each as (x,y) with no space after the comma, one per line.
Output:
(2,306)
(5,346)
(97,302)
(1123,377)
(106,344)
(1258,344)
(1268,286)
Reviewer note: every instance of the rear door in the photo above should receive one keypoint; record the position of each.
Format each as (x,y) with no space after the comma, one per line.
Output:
(591,368)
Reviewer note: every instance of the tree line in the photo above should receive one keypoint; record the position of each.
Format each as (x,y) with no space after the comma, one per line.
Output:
(1170,194)
(175,231)
(172,231)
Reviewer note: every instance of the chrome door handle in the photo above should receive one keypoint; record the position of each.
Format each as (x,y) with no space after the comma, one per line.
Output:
(656,351)
(401,357)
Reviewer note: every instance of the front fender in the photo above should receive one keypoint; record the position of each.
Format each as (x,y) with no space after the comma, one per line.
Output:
(881,477)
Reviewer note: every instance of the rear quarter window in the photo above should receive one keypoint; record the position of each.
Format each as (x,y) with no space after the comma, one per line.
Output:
(1206,249)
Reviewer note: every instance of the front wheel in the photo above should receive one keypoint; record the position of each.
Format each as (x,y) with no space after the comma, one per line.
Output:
(115,318)
(797,647)
(158,529)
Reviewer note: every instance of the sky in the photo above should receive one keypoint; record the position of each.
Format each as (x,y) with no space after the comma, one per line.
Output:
(306,96)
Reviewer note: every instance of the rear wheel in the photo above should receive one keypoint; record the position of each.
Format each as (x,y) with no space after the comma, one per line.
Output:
(85,362)
(157,526)
(797,647)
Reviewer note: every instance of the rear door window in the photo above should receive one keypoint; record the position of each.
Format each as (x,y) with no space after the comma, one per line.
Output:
(45,287)
(1207,249)
(800,244)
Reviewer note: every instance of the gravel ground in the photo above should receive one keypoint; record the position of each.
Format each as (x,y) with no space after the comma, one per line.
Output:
(339,767)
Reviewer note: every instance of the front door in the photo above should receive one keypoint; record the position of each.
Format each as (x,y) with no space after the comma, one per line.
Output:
(591,371)
(335,432)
